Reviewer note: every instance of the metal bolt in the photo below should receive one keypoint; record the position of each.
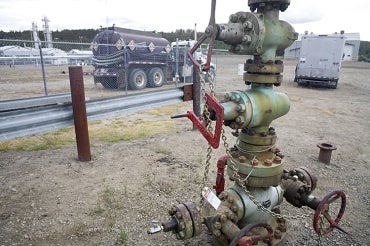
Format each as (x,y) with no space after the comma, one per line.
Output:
(182,234)
(280,154)
(234,154)
(277,234)
(233,218)
(217,225)
(227,96)
(230,199)
(172,210)
(233,18)
(235,97)
(233,125)
(242,159)
(277,159)
(178,215)
(247,39)
(240,108)
(267,162)
(223,218)
(282,227)
(234,208)
(217,233)
(223,195)
(248,25)
(255,162)
(239,120)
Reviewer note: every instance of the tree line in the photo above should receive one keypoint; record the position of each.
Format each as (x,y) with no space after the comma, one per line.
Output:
(364,52)
(87,35)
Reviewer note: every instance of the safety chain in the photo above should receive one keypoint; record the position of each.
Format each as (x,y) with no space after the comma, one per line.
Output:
(236,175)
(206,115)
(241,183)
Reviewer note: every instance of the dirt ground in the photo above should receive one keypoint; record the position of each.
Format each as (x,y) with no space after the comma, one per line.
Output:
(50,198)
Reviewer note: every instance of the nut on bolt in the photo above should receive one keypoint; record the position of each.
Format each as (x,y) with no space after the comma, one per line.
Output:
(172,210)
(277,159)
(242,159)
(267,162)
(277,234)
(217,225)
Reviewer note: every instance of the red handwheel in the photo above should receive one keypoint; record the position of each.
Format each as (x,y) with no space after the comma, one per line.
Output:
(242,239)
(322,211)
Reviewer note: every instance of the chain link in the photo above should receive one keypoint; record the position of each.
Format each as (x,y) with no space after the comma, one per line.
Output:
(206,117)
(241,183)
(236,175)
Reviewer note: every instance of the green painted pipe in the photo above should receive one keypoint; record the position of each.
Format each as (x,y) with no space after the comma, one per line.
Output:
(254,108)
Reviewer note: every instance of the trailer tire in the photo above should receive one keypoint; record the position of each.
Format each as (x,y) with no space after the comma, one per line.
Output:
(138,79)
(109,83)
(335,85)
(156,77)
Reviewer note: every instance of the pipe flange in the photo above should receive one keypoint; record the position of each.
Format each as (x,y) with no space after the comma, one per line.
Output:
(282,5)
(186,221)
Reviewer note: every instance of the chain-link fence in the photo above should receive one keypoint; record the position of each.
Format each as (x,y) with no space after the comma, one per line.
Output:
(30,69)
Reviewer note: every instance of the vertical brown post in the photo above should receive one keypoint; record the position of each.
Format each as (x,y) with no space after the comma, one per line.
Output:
(196,93)
(79,113)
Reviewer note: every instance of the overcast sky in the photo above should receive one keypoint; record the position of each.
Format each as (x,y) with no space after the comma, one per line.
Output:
(317,16)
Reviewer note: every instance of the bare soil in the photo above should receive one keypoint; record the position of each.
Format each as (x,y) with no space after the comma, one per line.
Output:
(50,198)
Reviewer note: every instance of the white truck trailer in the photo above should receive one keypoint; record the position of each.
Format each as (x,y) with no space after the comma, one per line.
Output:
(320,60)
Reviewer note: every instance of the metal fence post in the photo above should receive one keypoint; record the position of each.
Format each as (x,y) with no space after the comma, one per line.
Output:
(79,113)
(43,69)
(196,93)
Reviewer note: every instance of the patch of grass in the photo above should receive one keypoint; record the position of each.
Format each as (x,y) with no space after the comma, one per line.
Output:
(111,131)
(130,131)
(166,110)
(161,150)
(112,221)
(108,195)
(52,140)
(122,237)
(98,210)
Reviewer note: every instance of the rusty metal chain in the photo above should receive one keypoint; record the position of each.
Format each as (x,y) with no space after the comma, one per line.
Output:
(236,175)
(206,114)
(241,183)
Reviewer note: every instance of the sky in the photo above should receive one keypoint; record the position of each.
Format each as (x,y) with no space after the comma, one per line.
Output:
(316,16)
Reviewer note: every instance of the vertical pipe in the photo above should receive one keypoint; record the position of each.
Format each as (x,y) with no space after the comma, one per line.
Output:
(79,113)
(196,93)
(43,68)
(177,62)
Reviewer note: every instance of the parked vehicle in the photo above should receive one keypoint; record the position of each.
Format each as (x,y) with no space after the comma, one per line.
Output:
(320,60)
(142,59)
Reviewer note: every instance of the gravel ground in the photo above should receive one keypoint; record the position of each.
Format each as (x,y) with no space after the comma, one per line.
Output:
(49,198)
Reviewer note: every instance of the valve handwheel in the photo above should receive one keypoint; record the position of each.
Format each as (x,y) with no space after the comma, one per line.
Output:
(241,240)
(322,210)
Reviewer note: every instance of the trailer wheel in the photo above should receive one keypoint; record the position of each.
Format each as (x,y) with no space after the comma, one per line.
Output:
(109,83)
(156,77)
(335,85)
(138,79)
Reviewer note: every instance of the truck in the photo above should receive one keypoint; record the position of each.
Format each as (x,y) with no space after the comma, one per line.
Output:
(320,60)
(132,59)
